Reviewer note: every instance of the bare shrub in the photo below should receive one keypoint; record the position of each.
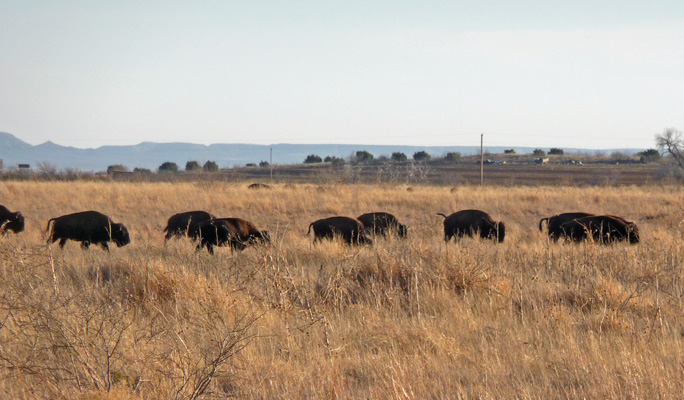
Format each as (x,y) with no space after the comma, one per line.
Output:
(103,329)
(417,171)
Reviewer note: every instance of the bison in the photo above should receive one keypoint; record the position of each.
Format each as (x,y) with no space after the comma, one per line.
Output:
(349,229)
(183,224)
(87,227)
(602,229)
(10,221)
(555,222)
(255,186)
(381,222)
(235,232)
(471,222)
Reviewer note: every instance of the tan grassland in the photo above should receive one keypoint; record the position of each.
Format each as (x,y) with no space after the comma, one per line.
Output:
(405,319)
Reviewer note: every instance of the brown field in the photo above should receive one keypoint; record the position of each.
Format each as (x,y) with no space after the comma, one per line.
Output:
(407,319)
(438,173)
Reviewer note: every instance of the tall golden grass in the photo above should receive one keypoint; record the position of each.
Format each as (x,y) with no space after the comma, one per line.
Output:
(414,318)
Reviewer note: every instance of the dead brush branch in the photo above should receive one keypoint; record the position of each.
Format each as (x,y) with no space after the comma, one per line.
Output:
(100,331)
(200,350)
(67,338)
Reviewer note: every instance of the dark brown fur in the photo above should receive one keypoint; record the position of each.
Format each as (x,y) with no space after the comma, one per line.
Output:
(183,224)
(555,222)
(472,222)
(10,221)
(87,227)
(602,229)
(349,229)
(234,232)
(379,223)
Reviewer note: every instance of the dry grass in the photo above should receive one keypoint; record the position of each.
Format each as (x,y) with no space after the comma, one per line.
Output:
(408,318)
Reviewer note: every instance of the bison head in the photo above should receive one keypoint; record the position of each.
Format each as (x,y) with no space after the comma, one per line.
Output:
(260,236)
(15,223)
(363,239)
(120,235)
(633,233)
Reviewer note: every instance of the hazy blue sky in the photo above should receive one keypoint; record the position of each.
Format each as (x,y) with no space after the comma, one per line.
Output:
(594,74)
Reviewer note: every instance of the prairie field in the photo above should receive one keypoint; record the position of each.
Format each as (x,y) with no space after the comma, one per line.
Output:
(406,318)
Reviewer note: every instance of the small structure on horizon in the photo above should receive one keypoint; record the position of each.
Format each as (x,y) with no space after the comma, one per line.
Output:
(116,174)
(24,166)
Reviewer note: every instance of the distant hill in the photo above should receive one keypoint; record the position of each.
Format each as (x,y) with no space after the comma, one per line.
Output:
(150,155)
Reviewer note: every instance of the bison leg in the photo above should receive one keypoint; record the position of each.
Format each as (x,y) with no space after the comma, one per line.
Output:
(578,237)
(210,248)
(62,242)
(365,240)
(85,245)
(488,233)
(237,245)
(105,246)
(350,239)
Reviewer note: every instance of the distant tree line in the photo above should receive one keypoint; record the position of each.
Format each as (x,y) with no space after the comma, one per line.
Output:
(671,141)
(363,156)
(169,167)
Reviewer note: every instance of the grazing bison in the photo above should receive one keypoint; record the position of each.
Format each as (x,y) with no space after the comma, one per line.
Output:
(258,186)
(471,222)
(235,232)
(554,223)
(602,229)
(380,222)
(87,227)
(183,224)
(10,221)
(350,229)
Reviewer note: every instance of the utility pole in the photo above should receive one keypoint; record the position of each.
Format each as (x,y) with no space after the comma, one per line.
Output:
(481,159)
(270,163)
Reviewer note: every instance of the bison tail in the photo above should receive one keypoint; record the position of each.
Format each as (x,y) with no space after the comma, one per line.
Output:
(48,232)
(442,215)
(541,221)
(309,231)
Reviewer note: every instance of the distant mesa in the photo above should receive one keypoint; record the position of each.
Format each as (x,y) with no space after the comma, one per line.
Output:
(150,155)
